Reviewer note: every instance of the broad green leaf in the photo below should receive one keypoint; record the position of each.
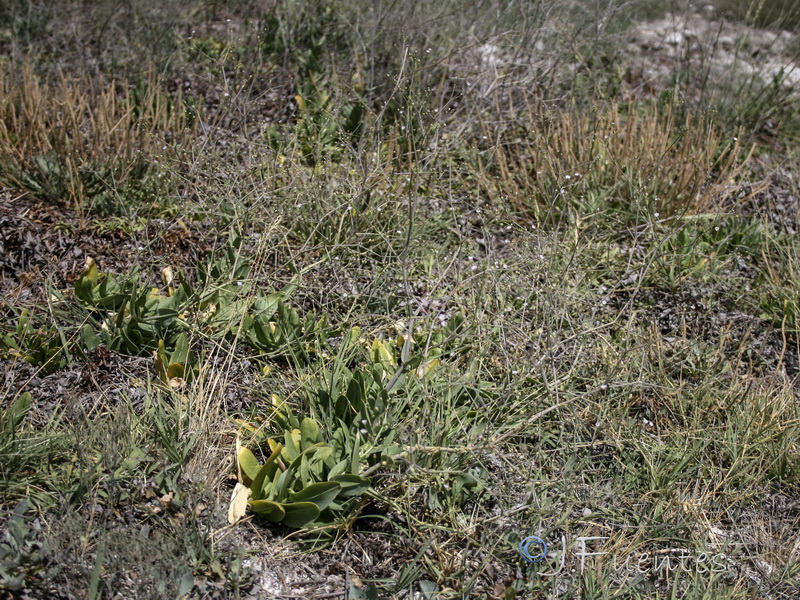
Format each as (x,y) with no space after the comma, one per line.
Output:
(465,481)
(181,352)
(272,511)
(338,469)
(309,452)
(321,494)
(309,433)
(109,294)
(265,473)
(292,438)
(86,282)
(299,514)
(283,483)
(262,335)
(305,475)
(316,467)
(265,307)
(380,353)
(355,392)
(271,489)
(249,466)
(322,452)
(352,485)
(175,370)
(405,347)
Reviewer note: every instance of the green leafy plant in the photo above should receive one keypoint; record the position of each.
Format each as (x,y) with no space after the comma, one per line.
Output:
(134,318)
(39,345)
(179,364)
(128,317)
(21,556)
(272,324)
(304,480)
(100,290)
(321,127)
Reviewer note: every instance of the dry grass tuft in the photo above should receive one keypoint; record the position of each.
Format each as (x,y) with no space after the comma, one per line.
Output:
(622,152)
(58,138)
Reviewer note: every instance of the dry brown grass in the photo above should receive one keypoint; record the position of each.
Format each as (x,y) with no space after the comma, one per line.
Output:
(623,152)
(51,133)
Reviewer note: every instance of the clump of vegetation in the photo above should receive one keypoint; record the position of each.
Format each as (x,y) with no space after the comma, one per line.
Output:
(406,288)
(613,156)
(93,146)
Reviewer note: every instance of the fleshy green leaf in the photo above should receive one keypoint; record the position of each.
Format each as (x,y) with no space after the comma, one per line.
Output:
(305,475)
(338,469)
(249,465)
(322,453)
(352,485)
(380,354)
(309,433)
(175,370)
(265,473)
(89,340)
(180,354)
(272,511)
(321,494)
(292,439)
(299,514)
